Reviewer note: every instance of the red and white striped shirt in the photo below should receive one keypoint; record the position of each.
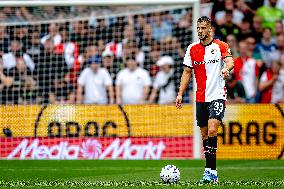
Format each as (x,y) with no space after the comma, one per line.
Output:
(274,93)
(247,71)
(207,62)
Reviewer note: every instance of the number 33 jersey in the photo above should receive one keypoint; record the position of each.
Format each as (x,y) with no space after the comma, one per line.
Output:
(207,62)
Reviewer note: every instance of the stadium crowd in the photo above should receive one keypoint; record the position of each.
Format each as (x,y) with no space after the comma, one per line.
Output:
(135,59)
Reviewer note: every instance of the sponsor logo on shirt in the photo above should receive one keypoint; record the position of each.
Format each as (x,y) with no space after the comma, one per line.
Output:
(213,51)
(206,62)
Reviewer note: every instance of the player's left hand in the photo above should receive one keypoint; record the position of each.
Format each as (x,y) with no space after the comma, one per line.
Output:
(225,73)
(179,101)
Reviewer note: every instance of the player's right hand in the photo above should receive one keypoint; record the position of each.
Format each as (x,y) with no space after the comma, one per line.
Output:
(178,101)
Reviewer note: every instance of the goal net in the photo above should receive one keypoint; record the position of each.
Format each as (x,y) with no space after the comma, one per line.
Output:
(94,82)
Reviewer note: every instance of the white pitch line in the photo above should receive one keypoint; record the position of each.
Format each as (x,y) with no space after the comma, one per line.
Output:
(136,169)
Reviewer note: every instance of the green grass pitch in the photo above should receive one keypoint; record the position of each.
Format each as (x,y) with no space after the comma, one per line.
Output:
(137,174)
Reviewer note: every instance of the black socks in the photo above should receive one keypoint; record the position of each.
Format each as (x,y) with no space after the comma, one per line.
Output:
(210,147)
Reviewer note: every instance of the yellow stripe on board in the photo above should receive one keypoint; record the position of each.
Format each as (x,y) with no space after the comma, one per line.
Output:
(93,120)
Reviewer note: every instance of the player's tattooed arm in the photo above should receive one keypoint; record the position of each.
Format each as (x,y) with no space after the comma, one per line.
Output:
(229,65)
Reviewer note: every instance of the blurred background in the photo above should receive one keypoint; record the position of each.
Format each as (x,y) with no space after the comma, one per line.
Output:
(44,51)
(101,72)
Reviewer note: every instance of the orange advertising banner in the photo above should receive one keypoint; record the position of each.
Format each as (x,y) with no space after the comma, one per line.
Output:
(95,121)
(252,132)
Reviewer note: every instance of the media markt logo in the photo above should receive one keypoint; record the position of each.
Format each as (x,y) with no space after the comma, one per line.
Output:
(91,149)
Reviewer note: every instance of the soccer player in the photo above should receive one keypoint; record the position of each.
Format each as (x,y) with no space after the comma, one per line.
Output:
(212,62)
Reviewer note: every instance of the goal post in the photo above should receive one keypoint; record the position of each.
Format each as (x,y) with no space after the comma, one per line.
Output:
(67,119)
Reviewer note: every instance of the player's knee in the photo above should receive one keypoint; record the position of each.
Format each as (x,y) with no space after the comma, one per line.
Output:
(212,128)
(204,133)
(212,132)
(204,136)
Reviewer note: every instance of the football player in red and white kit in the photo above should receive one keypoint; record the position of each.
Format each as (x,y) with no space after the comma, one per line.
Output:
(212,62)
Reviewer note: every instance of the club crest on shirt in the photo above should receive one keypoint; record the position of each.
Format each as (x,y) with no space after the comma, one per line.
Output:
(213,51)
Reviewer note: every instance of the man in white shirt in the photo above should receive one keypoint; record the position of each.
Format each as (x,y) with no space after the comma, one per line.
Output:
(132,84)
(164,82)
(15,51)
(95,82)
(53,34)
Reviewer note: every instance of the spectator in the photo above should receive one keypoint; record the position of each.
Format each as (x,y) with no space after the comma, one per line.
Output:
(254,5)
(95,82)
(182,29)
(172,47)
(4,41)
(257,28)
(132,84)
(233,44)
(62,92)
(279,27)
(80,35)
(70,50)
(129,34)
(25,13)
(20,33)
(131,49)
(51,66)
(245,29)
(244,7)
(101,46)
(3,16)
(235,90)
(48,12)
(115,46)
(280,46)
(90,50)
(237,15)
(117,27)
(147,41)
(280,4)
(13,15)
(34,47)
(271,85)
(6,83)
(252,50)
(101,30)
(53,34)
(161,28)
(153,57)
(164,85)
(16,51)
(29,93)
(20,74)
(108,64)
(267,48)
(218,5)
(177,53)
(228,27)
(67,48)
(246,70)
(139,26)
(270,14)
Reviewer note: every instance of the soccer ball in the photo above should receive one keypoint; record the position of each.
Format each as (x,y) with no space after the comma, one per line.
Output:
(170,174)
